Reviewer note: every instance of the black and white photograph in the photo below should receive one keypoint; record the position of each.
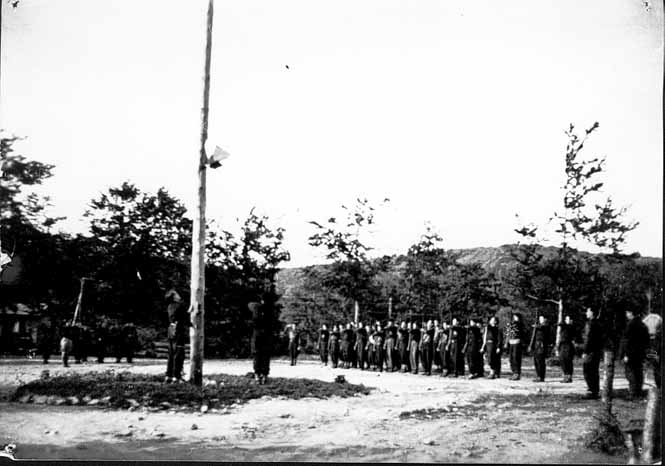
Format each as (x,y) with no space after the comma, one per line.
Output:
(382,231)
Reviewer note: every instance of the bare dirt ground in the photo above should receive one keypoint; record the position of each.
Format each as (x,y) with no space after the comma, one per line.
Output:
(505,429)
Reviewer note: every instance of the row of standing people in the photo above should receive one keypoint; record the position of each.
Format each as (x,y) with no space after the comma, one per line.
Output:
(80,341)
(410,347)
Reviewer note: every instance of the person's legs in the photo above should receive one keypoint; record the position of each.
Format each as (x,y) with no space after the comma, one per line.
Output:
(179,361)
(170,363)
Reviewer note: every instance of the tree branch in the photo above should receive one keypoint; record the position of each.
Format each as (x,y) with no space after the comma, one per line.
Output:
(542,299)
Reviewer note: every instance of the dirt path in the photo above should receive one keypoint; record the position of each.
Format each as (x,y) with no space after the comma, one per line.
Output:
(366,428)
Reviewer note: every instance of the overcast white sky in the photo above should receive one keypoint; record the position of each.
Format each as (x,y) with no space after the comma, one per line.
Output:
(455,110)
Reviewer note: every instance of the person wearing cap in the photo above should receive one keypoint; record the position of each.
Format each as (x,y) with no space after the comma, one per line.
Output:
(492,344)
(414,344)
(539,347)
(471,349)
(567,349)
(446,366)
(427,348)
(179,323)
(516,336)
(632,351)
(591,353)
(361,346)
(379,353)
(456,342)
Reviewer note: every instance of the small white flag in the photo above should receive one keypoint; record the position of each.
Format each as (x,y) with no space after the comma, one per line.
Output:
(215,160)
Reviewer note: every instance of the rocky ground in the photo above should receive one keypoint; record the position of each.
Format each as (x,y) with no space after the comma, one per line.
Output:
(406,418)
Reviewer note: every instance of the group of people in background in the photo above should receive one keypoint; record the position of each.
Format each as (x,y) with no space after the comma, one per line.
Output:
(79,341)
(448,348)
(455,349)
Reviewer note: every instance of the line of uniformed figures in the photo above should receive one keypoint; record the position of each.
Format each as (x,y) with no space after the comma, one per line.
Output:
(80,341)
(451,348)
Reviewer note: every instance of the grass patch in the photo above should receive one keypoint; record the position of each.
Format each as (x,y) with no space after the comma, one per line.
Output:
(129,390)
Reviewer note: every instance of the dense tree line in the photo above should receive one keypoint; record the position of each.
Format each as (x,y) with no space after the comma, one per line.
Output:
(138,248)
(140,243)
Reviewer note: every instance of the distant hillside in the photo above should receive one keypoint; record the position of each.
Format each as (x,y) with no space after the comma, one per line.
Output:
(497,260)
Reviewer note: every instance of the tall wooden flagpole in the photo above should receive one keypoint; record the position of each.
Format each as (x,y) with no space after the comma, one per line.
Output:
(196,308)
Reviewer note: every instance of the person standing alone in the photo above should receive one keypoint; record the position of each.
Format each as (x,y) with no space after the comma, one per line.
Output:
(261,339)
(177,336)
(294,343)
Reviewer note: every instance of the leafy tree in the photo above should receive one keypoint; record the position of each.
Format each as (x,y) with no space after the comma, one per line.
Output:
(586,218)
(27,251)
(351,272)
(239,271)
(142,243)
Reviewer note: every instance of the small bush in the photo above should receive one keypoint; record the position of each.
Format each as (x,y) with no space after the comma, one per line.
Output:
(606,437)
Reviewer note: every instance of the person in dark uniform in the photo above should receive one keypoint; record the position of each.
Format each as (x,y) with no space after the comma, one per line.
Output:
(632,352)
(456,342)
(343,346)
(539,347)
(99,336)
(414,347)
(346,346)
(333,346)
(322,344)
(492,344)
(403,347)
(361,347)
(438,362)
(45,339)
(591,353)
(441,348)
(516,336)
(178,325)
(472,346)
(130,341)
(115,340)
(352,346)
(379,354)
(261,339)
(567,349)
(294,343)
(389,346)
(427,348)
